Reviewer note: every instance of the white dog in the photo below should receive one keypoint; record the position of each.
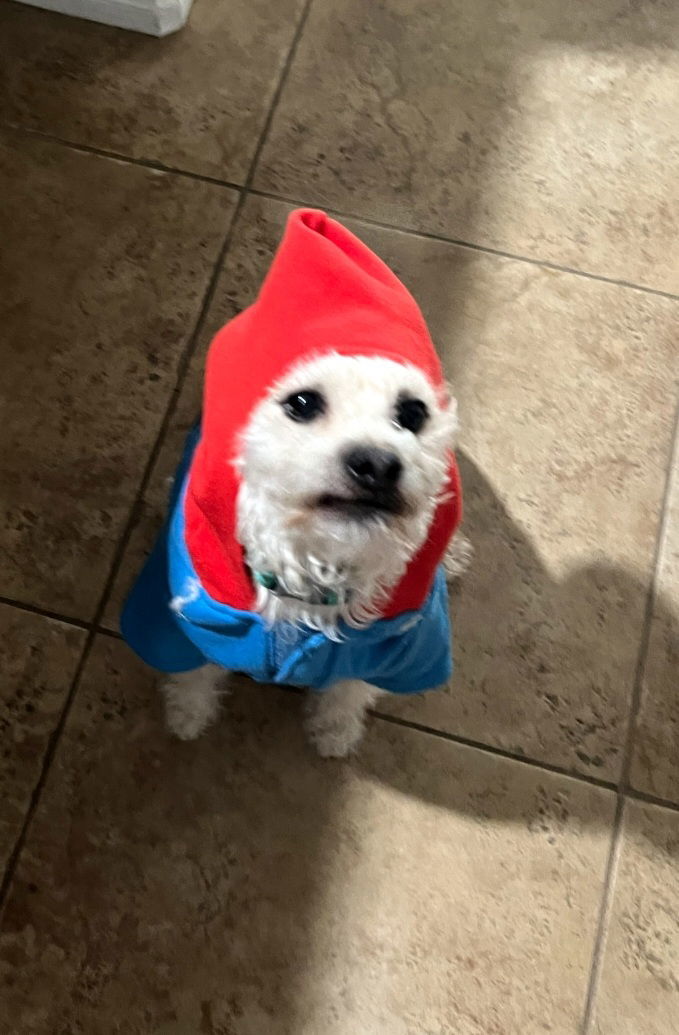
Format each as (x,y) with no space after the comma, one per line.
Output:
(341,467)
(314,505)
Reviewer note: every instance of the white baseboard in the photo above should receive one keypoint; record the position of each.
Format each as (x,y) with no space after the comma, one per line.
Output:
(155,17)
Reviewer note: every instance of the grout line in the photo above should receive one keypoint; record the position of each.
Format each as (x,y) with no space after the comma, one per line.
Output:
(606,904)
(278,93)
(651,799)
(56,616)
(458,242)
(629,794)
(113,634)
(454,738)
(498,752)
(117,156)
(470,245)
(624,790)
(43,612)
(182,368)
(50,751)
(651,597)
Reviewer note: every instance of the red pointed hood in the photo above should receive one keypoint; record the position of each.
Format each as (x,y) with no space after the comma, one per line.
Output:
(325,292)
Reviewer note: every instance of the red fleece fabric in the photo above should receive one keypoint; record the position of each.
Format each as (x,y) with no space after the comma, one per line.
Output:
(325,292)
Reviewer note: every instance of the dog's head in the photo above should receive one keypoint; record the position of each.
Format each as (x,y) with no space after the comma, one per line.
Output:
(342,464)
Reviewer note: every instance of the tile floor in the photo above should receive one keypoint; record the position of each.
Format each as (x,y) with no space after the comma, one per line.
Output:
(501,858)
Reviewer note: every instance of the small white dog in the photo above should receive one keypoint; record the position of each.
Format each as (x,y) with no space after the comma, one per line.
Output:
(314,505)
(342,466)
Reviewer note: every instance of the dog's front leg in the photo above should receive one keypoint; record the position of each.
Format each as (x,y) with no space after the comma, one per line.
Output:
(336,717)
(192,700)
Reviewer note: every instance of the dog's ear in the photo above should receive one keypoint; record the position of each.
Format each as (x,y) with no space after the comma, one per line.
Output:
(449,414)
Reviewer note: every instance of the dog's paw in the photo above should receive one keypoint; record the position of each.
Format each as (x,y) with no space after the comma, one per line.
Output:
(184,723)
(191,703)
(458,557)
(334,736)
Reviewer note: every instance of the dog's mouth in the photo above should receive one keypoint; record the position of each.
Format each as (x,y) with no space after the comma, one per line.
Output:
(361,508)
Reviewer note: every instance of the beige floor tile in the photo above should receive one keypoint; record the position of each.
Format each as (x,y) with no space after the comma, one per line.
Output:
(545,129)
(655,768)
(639,990)
(105,269)
(566,399)
(241,884)
(195,100)
(38,658)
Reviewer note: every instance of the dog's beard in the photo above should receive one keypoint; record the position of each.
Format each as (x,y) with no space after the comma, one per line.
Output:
(358,561)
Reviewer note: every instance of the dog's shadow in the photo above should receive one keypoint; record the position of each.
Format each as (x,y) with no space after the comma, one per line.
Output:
(547,664)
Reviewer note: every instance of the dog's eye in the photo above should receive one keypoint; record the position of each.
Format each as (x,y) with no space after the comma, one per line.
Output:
(411,414)
(305,405)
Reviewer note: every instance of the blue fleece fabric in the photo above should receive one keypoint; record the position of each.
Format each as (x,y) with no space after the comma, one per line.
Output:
(404,655)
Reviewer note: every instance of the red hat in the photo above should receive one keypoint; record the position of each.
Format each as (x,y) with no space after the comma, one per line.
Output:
(325,292)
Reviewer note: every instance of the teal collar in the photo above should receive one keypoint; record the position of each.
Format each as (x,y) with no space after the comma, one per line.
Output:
(316,594)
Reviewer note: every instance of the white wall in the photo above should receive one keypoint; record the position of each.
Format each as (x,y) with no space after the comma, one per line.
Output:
(155,17)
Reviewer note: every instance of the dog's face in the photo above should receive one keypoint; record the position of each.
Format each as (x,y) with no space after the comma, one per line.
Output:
(350,448)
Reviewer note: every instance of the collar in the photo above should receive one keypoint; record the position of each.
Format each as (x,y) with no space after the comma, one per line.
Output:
(314,594)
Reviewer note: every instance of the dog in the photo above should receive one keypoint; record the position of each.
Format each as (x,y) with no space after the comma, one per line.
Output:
(317,505)
(341,467)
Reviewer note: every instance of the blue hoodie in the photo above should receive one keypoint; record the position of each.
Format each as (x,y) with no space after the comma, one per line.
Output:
(405,654)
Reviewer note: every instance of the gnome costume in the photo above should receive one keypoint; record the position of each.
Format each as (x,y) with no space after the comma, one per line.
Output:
(193,602)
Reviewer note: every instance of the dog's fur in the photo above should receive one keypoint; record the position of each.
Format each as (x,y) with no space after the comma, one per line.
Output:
(287,470)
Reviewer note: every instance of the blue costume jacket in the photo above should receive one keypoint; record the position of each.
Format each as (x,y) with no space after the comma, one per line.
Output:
(406,654)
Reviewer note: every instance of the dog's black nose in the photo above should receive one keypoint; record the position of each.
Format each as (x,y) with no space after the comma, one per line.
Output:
(373,470)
